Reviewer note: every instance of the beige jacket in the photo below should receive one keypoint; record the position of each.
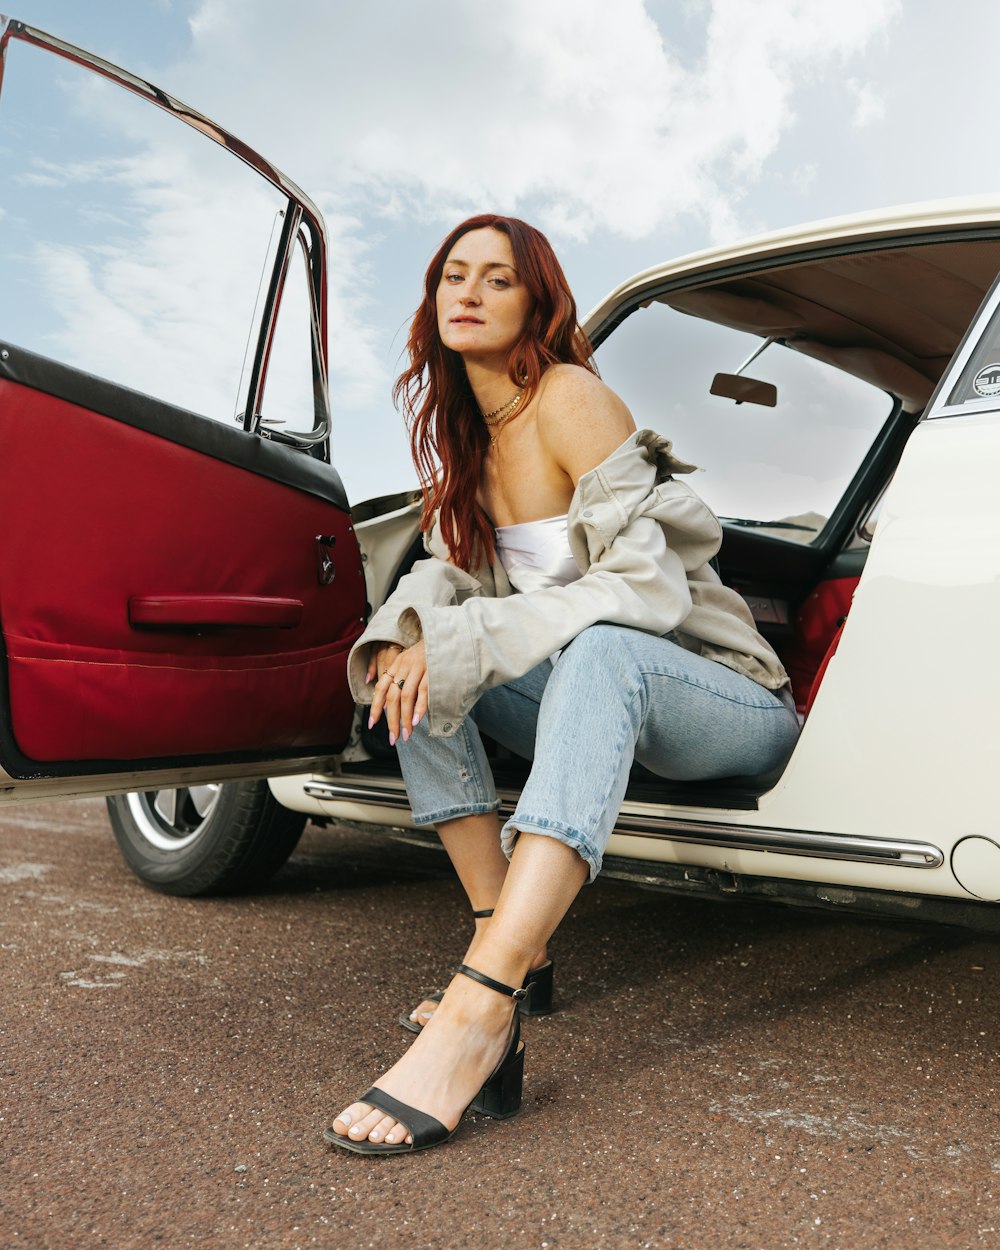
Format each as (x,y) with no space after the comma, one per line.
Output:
(642,541)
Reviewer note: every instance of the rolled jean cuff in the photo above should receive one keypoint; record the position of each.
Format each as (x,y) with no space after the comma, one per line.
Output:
(453,813)
(576,841)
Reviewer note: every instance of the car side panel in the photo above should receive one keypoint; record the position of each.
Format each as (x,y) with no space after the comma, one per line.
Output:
(102,522)
(904,736)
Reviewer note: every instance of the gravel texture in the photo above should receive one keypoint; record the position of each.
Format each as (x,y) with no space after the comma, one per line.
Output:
(719,1075)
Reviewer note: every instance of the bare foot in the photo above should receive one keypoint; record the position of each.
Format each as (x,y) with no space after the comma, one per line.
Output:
(444,1069)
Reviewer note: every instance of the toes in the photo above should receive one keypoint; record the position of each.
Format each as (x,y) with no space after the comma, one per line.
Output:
(361,1128)
(397,1134)
(390,1131)
(360,1121)
(381,1128)
(423,1012)
(356,1121)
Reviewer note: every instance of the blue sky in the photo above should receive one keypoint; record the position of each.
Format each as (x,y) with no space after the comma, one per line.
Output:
(631,132)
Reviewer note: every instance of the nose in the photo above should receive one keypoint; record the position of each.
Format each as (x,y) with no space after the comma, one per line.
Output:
(469,296)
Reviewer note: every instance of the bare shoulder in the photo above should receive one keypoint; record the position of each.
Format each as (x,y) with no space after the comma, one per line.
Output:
(564,382)
(580,418)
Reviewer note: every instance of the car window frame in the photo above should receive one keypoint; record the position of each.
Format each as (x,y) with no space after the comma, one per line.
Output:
(886,447)
(303,229)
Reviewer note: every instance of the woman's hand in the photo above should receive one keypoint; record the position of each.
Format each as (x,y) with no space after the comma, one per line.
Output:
(380,657)
(400,687)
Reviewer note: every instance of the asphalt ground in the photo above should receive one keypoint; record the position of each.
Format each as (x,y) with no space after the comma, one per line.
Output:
(721,1075)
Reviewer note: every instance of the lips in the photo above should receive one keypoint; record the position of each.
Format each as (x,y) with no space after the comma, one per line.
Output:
(466,321)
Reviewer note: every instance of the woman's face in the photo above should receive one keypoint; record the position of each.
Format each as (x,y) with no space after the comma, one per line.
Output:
(482,304)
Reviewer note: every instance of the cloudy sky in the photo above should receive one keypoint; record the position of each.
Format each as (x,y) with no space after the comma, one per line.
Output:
(631,131)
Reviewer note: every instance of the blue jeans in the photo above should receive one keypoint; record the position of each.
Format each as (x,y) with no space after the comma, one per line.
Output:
(614,695)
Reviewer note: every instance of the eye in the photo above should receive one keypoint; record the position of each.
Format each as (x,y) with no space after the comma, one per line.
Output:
(499,282)
(452,278)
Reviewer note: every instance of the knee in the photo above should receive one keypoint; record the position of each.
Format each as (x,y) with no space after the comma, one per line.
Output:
(601,646)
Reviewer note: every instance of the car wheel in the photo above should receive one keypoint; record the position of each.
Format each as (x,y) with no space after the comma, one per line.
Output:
(212,839)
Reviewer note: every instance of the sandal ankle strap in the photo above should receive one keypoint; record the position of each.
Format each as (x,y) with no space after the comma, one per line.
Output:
(507,990)
(483,914)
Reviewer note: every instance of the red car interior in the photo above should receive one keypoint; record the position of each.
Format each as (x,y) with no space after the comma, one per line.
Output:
(818,623)
(164,600)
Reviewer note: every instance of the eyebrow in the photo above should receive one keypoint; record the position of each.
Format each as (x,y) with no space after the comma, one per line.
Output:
(490,264)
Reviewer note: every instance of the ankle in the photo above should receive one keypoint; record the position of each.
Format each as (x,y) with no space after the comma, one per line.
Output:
(498,960)
(478,1008)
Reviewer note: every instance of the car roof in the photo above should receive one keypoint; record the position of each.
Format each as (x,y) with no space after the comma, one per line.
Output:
(885,296)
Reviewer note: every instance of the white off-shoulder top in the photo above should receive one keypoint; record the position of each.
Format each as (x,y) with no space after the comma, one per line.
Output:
(536,554)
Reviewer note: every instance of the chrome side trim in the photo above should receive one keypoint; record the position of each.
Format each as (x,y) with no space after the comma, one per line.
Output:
(644,821)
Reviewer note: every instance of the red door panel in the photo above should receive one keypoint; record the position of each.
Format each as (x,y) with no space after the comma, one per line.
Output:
(159,601)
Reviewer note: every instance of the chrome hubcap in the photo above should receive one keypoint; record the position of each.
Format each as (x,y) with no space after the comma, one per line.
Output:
(171,820)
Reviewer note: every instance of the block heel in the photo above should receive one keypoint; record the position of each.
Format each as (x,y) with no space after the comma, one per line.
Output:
(500,1097)
(539,983)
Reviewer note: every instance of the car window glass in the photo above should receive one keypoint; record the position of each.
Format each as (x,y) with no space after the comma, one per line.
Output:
(791,462)
(980,379)
(287,402)
(134,247)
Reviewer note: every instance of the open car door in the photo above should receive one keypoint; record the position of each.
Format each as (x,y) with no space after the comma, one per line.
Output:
(180,581)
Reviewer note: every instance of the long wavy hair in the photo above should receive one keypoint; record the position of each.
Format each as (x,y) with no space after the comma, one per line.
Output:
(448,437)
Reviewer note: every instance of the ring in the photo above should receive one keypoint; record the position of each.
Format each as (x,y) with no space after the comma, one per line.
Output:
(401,682)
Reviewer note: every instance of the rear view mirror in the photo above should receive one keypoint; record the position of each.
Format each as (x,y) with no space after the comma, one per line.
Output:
(744,390)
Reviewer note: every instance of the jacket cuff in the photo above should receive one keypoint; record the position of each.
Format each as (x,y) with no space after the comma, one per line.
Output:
(382,629)
(451,665)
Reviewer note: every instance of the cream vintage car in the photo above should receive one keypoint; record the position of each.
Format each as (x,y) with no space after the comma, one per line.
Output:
(178,591)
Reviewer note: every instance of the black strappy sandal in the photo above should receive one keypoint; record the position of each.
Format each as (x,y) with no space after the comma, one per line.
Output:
(538,986)
(499,1097)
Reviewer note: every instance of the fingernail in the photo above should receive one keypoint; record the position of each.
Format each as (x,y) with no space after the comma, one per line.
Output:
(406,734)
(371,722)
(392,739)
(416,720)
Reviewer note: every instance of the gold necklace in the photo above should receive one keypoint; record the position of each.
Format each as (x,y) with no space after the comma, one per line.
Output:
(497,416)
(500,422)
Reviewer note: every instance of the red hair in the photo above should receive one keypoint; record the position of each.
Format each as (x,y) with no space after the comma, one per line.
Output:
(448,438)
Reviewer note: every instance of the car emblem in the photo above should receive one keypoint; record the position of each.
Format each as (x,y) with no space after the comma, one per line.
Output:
(987,380)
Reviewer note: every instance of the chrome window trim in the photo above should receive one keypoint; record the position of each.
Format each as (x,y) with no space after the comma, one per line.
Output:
(269,319)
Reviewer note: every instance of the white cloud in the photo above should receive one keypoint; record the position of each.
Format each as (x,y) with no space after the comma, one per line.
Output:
(359,377)
(869,104)
(576,109)
(803,177)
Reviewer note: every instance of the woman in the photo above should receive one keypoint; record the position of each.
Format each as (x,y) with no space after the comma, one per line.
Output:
(570,611)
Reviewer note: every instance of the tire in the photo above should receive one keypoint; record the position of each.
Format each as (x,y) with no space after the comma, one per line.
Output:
(214,839)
